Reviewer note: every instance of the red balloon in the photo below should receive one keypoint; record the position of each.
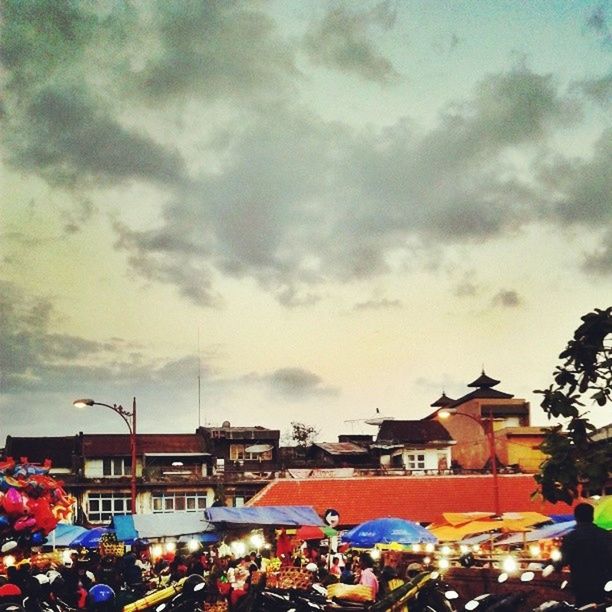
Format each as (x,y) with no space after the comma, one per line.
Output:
(25,522)
(13,502)
(45,521)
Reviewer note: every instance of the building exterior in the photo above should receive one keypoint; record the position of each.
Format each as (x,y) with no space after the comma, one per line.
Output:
(341,455)
(230,465)
(417,447)
(470,417)
(174,472)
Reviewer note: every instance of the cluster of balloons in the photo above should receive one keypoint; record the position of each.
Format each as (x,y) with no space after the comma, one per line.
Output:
(31,503)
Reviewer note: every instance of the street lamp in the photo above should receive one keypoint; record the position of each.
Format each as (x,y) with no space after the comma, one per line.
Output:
(130,421)
(447,412)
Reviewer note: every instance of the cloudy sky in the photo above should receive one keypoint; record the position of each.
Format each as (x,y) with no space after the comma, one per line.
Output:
(319,207)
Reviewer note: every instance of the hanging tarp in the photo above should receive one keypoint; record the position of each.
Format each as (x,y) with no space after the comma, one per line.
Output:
(157,526)
(280,516)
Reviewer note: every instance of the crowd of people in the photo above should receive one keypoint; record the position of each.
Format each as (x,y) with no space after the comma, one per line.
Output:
(68,585)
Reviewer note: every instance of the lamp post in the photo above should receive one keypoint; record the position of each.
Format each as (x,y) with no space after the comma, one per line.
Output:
(130,421)
(447,412)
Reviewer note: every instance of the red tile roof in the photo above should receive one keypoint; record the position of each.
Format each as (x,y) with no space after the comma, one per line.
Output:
(417,498)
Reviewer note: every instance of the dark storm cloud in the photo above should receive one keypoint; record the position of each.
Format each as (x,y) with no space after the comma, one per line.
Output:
(383,304)
(214,50)
(65,136)
(298,383)
(60,119)
(299,201)
(598,21)
(599,90)
(34,357)
(582,189)
(343,40)
(169,257)
(508,298)
(599,261)
(41,37)
(466,289)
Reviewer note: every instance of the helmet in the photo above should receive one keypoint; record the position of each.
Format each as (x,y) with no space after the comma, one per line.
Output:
(42,579)
(100,596)
(191,582)
(9,590)
(56,580)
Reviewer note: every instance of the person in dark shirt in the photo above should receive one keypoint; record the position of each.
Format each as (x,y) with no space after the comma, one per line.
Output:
(587,550)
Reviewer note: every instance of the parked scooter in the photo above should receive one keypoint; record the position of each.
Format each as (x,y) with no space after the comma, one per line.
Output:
(426,592)
(564,606)
(190,599)
(501,602)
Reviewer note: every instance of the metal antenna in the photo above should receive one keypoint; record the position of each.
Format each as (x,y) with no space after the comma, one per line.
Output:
(199,383)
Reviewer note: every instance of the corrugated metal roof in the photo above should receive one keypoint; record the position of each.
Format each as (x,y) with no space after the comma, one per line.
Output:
(112,445)
(59,449)
(341,448)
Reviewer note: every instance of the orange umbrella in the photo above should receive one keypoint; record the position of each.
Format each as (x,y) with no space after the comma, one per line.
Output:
(459,525)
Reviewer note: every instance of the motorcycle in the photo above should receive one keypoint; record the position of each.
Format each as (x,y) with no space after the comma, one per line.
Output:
(191,598)
(564,606)
(426,592)
(501,602)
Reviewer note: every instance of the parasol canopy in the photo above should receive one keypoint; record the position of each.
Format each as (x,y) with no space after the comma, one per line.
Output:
(314,532)
(63,534)
(386,531)
(603,513)
(547,532)
(90,538)
(456,526)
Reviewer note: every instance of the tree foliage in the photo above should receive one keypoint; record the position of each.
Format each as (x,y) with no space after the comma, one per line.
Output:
(574,459)
(303,435)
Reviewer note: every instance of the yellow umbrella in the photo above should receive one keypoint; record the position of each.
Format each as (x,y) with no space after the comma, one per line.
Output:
(457,528)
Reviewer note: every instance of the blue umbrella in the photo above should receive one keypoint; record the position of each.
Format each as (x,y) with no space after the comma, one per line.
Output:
(386,531)
(90,538)
(64,534)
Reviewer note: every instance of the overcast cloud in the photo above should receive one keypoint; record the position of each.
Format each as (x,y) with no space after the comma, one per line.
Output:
(195,158)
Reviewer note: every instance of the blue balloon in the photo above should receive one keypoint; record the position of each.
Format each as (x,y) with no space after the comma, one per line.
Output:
(38,539)
(4,521)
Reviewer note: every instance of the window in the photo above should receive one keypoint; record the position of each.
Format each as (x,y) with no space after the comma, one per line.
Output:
(116,467)
(102,506)
(179,502)
(238,452)
(415,461)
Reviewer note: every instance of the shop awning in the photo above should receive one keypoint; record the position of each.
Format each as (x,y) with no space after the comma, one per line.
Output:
(257,449)
(280,516)
(156,526)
